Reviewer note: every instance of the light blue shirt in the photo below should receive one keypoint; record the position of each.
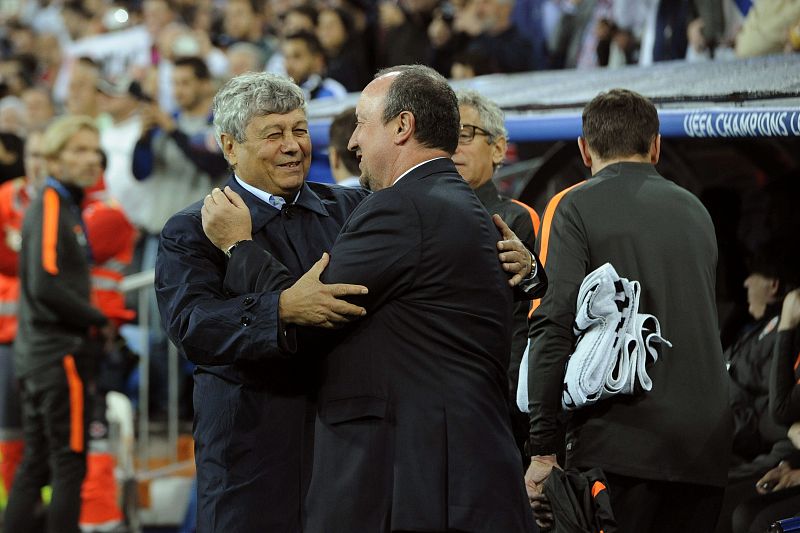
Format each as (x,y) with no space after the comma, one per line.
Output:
(275,201)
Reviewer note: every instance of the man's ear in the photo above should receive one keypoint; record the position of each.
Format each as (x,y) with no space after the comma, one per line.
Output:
(405,123)
(584,149)
(655,149)
(499,150)
(228,148)
(774,287)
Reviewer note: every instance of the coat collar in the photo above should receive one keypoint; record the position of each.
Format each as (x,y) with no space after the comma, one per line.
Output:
(262,213)
(442,164)
(627,168)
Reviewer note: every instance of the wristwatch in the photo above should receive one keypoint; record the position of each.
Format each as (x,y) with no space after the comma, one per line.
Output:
(229,250)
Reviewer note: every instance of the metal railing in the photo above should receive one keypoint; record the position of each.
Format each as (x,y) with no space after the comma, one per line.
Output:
(142,284)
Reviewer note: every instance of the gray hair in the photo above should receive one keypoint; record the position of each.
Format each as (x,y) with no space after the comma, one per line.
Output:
(492,117)
(253,94)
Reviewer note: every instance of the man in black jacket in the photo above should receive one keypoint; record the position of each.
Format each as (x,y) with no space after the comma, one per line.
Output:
(54,320)
(665,453)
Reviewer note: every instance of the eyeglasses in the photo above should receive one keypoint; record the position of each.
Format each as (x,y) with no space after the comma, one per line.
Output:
(468,133)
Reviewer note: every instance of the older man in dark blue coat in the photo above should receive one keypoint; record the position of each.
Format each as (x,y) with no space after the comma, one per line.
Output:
(253,420)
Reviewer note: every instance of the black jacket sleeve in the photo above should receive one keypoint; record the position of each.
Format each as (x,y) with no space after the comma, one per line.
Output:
(552,338)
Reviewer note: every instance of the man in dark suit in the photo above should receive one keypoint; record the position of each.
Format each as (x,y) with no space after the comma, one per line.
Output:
(665,453)
(413,432)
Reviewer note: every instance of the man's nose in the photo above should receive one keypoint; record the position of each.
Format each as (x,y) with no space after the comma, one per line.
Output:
(290,144)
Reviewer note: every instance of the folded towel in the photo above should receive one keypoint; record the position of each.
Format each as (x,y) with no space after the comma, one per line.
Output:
(616,344)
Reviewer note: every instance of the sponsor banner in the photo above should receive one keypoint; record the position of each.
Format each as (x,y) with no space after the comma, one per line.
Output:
(700,123)
(737,123)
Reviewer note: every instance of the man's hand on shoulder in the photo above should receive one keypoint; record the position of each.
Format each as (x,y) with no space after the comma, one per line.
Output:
(309,302)
(515,257)
(226,218)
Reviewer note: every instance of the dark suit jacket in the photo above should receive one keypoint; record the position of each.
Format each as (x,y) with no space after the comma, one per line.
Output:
(413,430)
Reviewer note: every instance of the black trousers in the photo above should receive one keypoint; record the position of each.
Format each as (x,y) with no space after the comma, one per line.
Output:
(54,419)
(641,505)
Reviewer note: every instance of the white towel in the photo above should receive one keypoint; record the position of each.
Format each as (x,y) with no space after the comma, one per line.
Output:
(614,343)
(522,381)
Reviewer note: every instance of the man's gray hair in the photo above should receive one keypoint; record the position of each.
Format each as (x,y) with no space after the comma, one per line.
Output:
(253,94)
(492,117)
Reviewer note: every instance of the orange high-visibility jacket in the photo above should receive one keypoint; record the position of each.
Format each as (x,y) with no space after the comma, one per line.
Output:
(14,199)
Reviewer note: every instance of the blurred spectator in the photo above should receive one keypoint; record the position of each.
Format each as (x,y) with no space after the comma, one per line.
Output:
(766,28)
(13,117)
(15,75)
(574,18)
(607,49)
(469,64)
(344,48)
(759,442)
(305,64)
(82,90)
(118,137)
(156,15)
(38,107)
(344,163)
(77,21)
(12,162)
(21,37)
(486,27)
(15,195)
(177,41)
(242,22)
(717,39)
(35,162)
(244,57)
(779,489)
(48,58)
(297,19)
(403,30)
(176,156)
(528,16)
